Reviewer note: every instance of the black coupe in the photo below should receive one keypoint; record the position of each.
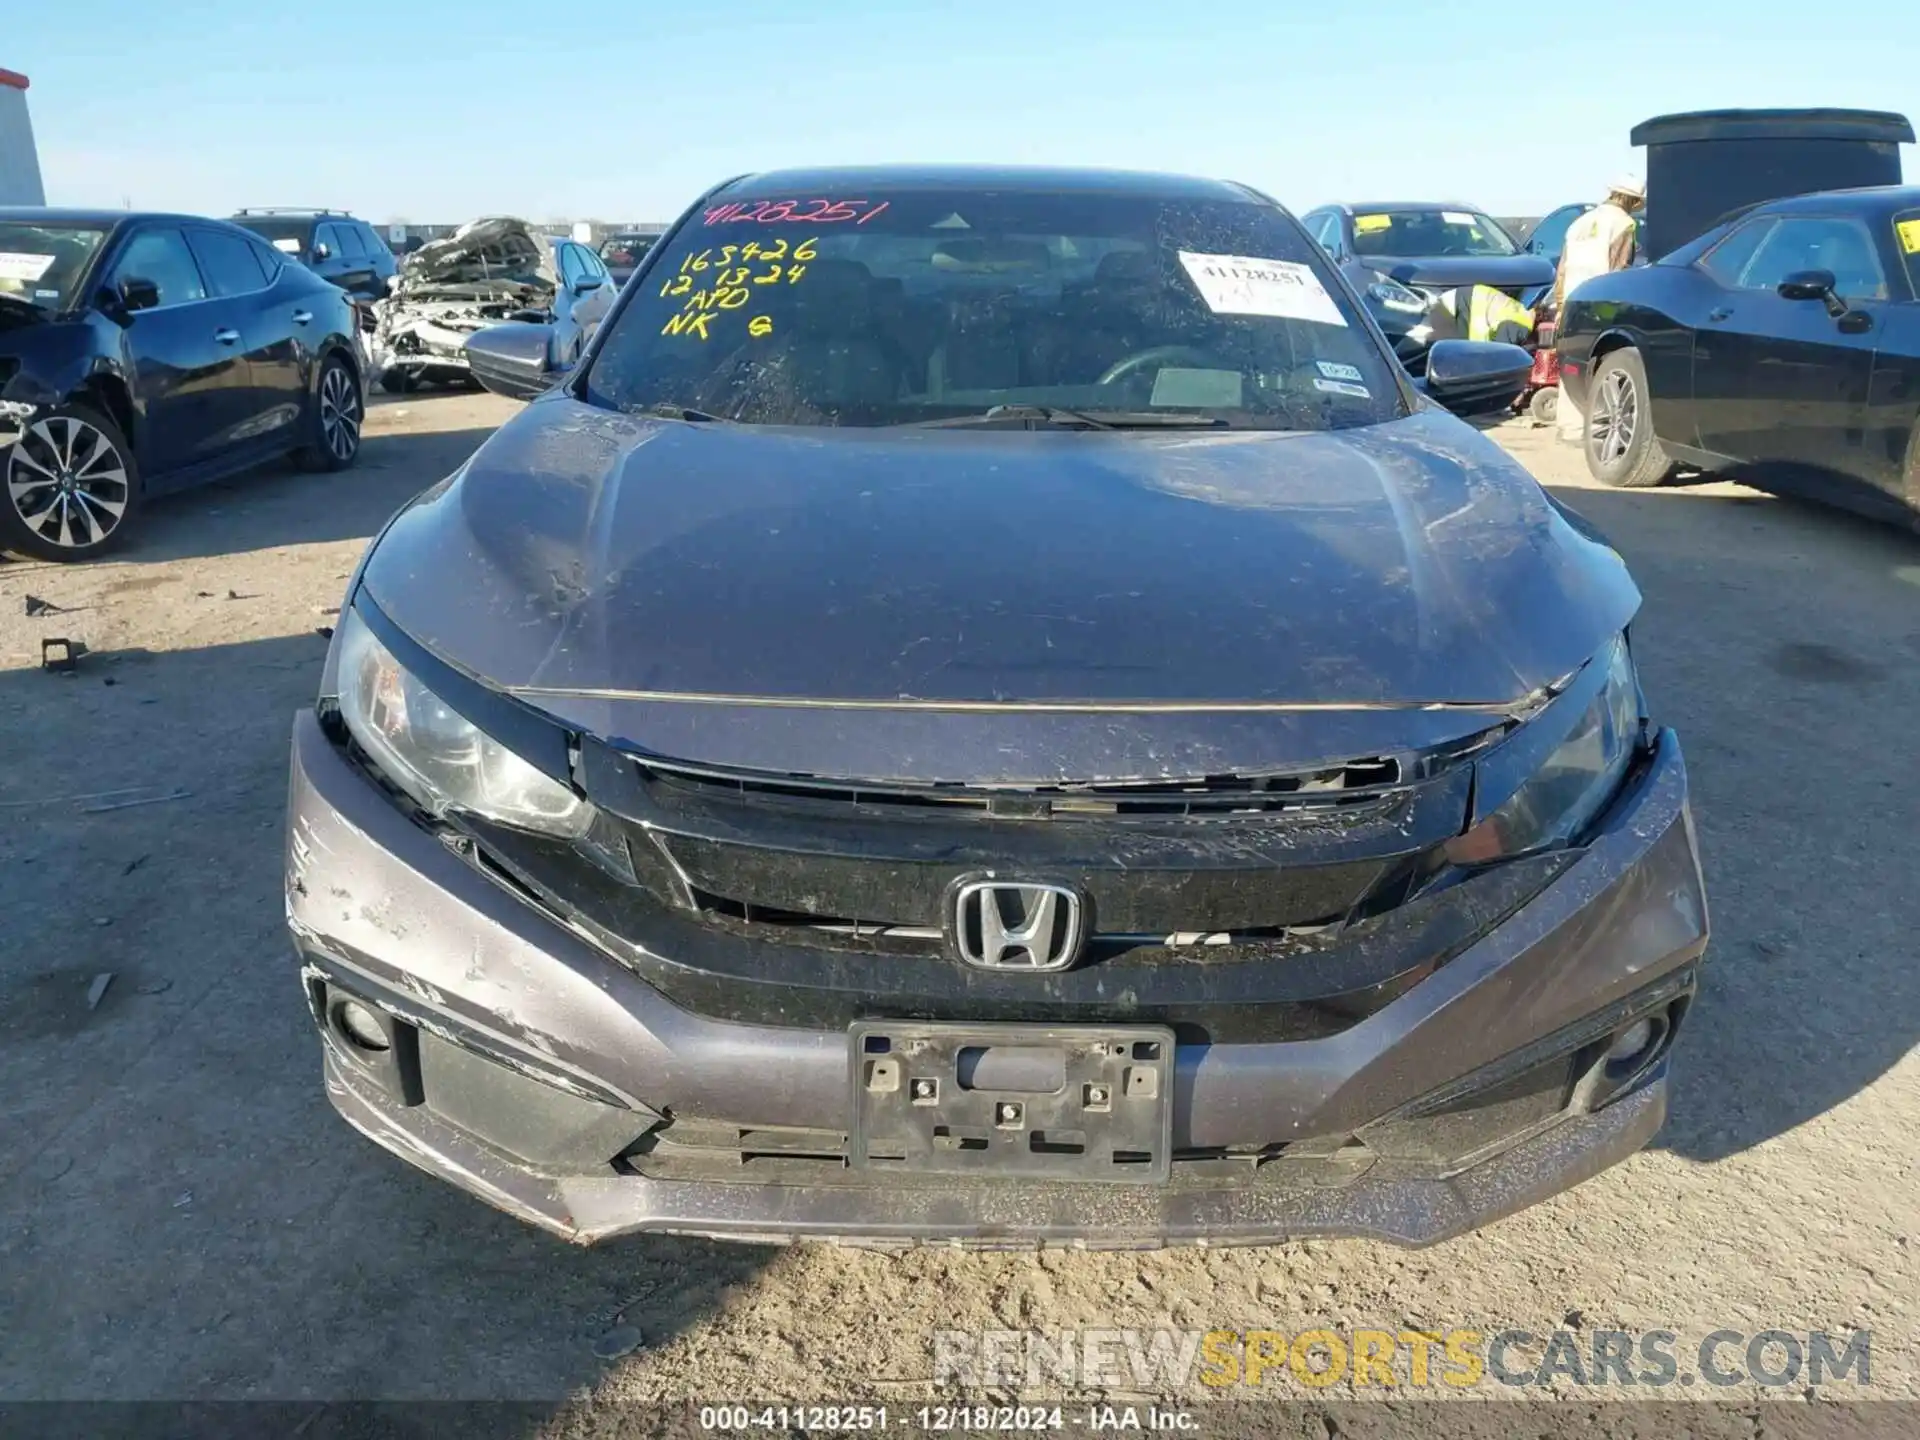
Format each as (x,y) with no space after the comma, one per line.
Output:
(147,353)
(1783,346)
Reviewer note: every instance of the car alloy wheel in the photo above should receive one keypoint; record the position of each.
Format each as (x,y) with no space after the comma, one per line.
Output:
(339,413)
(68,482)
(1614,418)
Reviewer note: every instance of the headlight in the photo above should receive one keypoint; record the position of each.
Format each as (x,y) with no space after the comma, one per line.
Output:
(1395,296)
(1563,797)
(437,755)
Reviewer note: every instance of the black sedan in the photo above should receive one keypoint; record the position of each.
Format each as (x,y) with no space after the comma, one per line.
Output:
(1412,259)
(1783,345)
(147,353)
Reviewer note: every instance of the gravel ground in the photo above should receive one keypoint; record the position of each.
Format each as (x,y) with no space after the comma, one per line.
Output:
(182,1216)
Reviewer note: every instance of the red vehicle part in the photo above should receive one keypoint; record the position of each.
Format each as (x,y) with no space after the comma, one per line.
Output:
(1541,397)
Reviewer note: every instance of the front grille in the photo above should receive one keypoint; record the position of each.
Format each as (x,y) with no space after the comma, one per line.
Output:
(1205,796)
(1206,862)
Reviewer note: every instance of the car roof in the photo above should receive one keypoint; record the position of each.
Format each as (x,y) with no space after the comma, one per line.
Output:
(1370,207)
(284,212)
(1873,199)
(61,215)
(1077,180)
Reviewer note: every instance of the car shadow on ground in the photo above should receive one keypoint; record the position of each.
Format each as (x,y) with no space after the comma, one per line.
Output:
(1797,735)
(166,1135)
(272,504)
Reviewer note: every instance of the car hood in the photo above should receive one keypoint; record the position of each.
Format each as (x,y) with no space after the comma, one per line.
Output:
(1451,271)
(482,253)
(736,593)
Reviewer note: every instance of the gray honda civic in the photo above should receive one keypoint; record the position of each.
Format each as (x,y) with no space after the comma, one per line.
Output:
(986,708)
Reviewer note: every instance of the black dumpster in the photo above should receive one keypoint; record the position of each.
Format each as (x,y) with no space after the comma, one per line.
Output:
(1702,165)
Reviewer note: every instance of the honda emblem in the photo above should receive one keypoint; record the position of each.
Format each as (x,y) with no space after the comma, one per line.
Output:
(998,925)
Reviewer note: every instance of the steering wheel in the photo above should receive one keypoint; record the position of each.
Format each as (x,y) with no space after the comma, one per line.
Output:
(1158,355)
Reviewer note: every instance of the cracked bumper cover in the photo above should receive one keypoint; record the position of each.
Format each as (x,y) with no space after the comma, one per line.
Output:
(554,1056)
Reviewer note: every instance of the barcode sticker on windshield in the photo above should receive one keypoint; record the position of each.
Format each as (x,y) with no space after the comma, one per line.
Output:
(1909,232)
(1247,285)
(20,265)
(1341,387)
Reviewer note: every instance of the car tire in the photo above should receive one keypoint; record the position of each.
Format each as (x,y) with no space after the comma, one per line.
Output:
(1544,407)
(1621,448)
(89,501)
(337,412)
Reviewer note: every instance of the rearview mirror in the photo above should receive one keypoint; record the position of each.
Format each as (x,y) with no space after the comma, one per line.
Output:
(1474,377)
(323,251)
(138,294)
(515,359)
(1813,285)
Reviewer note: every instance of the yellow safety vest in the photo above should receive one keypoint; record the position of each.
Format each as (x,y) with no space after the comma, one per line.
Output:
(1490,309)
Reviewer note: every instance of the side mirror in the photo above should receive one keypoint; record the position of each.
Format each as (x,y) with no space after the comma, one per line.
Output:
(586,285)
(515,359)
(322,251)
(1474,377)
(1813,285)
(138,294)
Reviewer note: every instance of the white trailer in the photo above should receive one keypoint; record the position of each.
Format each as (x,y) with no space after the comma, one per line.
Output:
(19,161)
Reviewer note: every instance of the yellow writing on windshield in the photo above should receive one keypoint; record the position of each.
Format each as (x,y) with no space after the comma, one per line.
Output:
(1368,224)
(1909,233)
(723,277)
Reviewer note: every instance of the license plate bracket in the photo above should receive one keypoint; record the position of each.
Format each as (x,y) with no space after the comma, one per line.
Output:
(1089,1103)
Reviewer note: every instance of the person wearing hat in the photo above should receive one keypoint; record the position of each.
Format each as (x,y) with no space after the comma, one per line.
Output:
(1598,243)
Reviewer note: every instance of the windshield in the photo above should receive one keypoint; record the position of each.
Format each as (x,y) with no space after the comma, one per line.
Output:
(1411,234)
(44,264)
(918,307)
(287,236)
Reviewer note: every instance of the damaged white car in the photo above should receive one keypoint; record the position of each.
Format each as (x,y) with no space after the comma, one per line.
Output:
(486,272)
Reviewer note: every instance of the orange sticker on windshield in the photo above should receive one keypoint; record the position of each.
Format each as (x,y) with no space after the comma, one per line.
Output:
(1367,224)
(1909,232)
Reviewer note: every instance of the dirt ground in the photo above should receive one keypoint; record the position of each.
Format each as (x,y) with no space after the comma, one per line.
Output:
(183,1217)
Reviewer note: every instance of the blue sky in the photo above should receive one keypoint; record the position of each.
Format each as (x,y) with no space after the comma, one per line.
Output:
(438,110)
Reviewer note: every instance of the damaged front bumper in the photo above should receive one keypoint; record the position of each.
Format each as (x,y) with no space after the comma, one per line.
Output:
(520,1061)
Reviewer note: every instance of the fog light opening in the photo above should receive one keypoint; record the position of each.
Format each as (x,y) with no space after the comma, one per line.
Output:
(1633,1044)
(360,1027)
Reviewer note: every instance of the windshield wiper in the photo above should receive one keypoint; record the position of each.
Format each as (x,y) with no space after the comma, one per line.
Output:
(667,411)
(1090,419)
